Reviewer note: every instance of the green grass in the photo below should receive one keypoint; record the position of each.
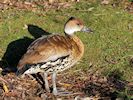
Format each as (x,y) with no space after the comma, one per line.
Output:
(108,48)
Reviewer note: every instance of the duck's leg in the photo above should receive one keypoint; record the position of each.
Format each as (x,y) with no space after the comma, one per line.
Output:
(58,92)
(46,82)
(55,92)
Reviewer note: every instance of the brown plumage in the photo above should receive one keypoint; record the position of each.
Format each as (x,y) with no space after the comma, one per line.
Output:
(54,53)
(51,48)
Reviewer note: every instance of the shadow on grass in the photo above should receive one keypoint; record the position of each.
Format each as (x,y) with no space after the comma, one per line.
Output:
(109,87)
(17,48)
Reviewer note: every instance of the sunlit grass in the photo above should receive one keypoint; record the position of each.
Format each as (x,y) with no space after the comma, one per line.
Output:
(108,49)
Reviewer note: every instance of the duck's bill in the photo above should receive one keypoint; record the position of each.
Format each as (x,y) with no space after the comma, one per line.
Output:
(86,29)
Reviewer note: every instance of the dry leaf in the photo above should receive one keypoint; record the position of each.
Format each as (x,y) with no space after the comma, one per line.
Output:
(5,87)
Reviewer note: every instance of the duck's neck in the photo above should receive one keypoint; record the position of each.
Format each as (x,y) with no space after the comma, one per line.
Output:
(78,45)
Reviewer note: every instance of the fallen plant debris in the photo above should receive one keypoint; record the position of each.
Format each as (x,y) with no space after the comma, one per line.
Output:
(129,7)
(81,86)
(18,88)
(33,6)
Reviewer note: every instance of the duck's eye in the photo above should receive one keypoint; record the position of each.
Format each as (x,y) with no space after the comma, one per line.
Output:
(78,24)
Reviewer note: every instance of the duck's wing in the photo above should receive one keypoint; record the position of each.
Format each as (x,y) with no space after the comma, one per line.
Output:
(46,49)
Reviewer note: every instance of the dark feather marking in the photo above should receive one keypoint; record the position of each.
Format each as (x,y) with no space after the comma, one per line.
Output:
(28,66)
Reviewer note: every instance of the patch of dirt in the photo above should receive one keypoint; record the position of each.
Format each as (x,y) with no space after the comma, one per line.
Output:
(97,86)
(81,85)
(24,88)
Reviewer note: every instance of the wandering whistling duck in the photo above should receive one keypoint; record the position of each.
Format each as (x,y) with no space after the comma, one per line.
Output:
(54,53)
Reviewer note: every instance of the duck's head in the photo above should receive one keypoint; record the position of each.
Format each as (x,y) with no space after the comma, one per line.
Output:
(74,25)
